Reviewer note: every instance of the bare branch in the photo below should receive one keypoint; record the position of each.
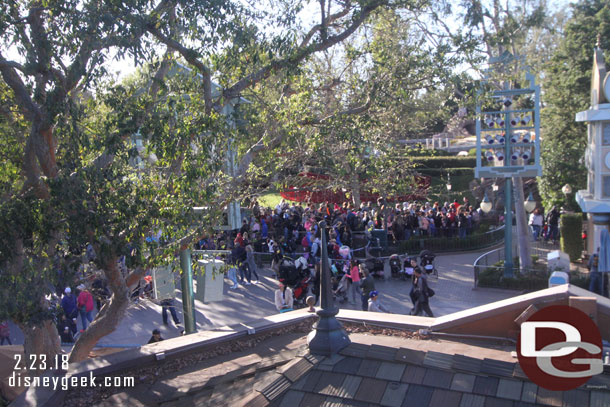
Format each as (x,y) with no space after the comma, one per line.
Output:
(301,53)
(28,107)
(331,19)
(191,56)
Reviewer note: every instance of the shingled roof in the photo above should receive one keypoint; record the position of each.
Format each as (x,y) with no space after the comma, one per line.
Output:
(374,375)
(391,361)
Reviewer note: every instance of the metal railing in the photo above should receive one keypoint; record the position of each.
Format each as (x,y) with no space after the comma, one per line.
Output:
(475,241)
(487,263)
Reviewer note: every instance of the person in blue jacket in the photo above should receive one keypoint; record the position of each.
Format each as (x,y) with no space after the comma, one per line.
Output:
(68,303)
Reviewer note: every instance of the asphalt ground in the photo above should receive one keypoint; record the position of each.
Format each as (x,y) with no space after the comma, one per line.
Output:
(453,287)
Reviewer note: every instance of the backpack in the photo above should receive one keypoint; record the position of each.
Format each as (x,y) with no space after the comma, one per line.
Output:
(304,241)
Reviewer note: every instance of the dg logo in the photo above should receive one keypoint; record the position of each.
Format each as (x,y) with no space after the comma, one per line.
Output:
(560,348)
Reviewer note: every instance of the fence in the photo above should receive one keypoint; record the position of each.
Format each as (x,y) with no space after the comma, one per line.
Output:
(537,277)
(474,241)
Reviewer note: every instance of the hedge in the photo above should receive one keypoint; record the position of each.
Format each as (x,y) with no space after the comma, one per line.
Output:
(571,238)
(536,279)
(437,172)
(444,162)
(475,241)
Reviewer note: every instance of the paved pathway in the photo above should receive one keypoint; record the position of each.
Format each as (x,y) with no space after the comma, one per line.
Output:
(454,292)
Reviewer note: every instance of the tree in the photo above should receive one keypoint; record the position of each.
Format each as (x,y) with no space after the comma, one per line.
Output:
(78,184)
(567,91)
(350,105)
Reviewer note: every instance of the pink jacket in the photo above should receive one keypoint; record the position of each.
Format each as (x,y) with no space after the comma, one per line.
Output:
(355,274)
(85,298)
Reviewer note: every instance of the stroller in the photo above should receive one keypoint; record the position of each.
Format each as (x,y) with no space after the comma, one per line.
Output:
(295,278)
(427,262)
(396,267)
(375,267)
(339,287)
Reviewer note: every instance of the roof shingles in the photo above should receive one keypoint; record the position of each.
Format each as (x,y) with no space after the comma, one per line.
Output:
(371,390)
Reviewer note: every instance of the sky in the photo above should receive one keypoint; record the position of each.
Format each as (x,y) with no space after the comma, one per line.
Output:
(120,68)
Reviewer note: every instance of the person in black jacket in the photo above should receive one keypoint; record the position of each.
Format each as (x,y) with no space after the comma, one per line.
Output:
(420,292)
(239,256)
(156,336)
(552,219)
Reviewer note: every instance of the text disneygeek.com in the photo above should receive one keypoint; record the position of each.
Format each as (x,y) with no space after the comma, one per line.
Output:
(65,383)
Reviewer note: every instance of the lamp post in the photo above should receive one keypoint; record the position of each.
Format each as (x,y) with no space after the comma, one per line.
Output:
(567,190)
(328,336)
(449,187)
(486,204)
(529,204)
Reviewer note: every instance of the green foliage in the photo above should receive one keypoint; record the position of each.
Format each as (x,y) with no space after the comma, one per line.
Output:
(534,280)
(567,91)
(444,162)
(478,240)
(570,231)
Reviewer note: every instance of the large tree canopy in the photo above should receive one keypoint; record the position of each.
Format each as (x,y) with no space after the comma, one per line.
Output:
(567,88)
(74,174)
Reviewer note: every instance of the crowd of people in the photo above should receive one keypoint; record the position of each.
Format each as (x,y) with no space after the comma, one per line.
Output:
(292,230)
(293,227)
(545,227)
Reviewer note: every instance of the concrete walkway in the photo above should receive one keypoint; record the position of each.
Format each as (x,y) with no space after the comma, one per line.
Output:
(454,292)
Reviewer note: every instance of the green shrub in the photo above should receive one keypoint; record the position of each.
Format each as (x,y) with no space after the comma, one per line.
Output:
(571,239)
(475,241)
(535,279)
(438,172)
(444,162)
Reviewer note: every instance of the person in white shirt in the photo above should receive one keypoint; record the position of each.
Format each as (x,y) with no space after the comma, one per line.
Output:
(283,298)
(536,221)
(375,305)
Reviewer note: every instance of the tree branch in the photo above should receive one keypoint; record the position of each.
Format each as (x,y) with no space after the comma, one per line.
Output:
(331,19)
(191,56)
(28,107)
(301,53)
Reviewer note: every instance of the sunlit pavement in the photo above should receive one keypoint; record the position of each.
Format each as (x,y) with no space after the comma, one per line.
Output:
(454,292)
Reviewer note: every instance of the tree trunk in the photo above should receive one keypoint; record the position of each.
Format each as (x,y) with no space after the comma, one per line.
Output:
(523,235)
(108,318)
(355,186)
(41,339)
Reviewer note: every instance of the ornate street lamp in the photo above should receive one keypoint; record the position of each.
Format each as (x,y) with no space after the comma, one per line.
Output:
(529,203)
(567,190)
(486,204)
(328,336)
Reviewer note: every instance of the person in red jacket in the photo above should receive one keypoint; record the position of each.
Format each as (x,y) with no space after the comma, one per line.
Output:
(85,305)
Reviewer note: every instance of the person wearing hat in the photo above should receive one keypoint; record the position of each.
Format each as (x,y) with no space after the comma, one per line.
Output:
(64,330)
(420,293)
(375,305)
(68,304)
(283,297)
(85,305)
(156,336)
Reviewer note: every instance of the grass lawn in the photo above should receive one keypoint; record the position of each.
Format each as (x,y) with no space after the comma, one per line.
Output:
(270,199)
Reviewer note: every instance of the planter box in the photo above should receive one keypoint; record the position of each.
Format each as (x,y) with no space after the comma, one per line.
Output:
(164,284)
(210,284)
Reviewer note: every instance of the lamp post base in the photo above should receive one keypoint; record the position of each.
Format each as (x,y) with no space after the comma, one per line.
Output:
(328,336)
